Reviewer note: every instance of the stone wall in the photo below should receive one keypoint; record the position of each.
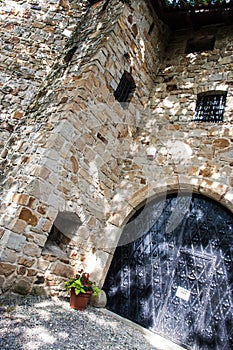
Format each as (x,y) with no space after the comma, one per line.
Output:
(189,156)
(181,78)
(84,163)
(33,34)
(64,153)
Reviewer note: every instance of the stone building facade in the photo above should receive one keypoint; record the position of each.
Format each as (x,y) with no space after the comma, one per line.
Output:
(75,163)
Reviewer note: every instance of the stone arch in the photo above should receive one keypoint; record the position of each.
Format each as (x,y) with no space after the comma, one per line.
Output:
(182,184)
(210,87)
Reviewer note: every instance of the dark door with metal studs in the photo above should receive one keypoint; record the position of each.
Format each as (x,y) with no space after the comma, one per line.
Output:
(172,272)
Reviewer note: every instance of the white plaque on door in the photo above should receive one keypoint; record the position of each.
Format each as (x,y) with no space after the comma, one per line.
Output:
(183,293)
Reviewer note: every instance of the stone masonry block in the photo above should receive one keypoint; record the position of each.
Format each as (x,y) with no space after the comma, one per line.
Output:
(20,198)
(221,143)
(7,269)
(55,141)
(64,270)
(52,165)
(26,261)
(23,286)
(19,226)
(74,164)
(43,264)
(32,250)
(40,189)
(41,171)
(39,239)
(27,216)
(213,189)
(1,232)
(15,242)
(65,129)
(9,256)
(227,200)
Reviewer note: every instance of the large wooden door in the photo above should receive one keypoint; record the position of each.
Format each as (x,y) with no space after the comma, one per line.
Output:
(177,282)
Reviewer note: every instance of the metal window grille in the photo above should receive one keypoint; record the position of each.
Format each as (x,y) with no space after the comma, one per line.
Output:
(125,88)
(210,108)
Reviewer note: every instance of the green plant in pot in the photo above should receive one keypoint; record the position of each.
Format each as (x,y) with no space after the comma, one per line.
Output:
(81,288)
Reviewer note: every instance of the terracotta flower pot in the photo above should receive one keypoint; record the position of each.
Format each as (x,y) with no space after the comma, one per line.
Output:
(80,301)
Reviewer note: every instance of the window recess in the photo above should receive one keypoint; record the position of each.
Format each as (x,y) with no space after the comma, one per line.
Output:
(125,89)
(200,44)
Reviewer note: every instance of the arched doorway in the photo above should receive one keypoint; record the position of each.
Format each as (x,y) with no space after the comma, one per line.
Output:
(178,281)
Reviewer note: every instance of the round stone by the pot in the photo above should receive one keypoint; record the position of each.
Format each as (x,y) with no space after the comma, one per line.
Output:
(100,300)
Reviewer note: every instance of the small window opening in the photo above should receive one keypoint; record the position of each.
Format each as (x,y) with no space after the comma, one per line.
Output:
(200,45)
(171,87)
(92,2)
(63,230)
(125,89)
(210,107)
(55,245)
(105,5)
(70,53)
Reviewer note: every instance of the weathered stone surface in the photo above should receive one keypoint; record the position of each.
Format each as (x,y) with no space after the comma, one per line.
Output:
(100,300)
(39,239)
(20,198)
(31,272)
(227,200)
(231,181)
(22,286)
(19,226)
(32,250)
(15,242)
(9,256)
(31,67)
(41,171)
(25,261)
(207,171)
(7,269)
(17,115)
(76,150)
(213,189)
(74,164)
(63,270)
(43,264)
(8,283)
(227,156)
(221,143)
(27,216)
(42,209)
(51,249)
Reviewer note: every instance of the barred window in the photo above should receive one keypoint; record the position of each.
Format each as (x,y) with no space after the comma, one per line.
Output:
(210,107)
(125,88)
